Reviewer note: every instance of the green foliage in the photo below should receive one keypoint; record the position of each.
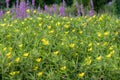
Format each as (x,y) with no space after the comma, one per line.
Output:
(98,4)
(117,7)
(46,47)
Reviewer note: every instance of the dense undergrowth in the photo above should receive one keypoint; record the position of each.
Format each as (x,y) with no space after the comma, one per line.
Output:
(60,48)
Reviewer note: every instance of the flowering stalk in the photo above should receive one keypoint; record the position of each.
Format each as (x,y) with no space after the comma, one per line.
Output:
(1,13)
(22,10)
(51,10)
(63,3)
(82,9)
(7,3)
(33,3)
(17,3)
(46,9)
(62,10)
(77,6)
(38,8)
(92,8)
(54,8)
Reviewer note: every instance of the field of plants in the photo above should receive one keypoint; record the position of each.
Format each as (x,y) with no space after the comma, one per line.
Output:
(47,47)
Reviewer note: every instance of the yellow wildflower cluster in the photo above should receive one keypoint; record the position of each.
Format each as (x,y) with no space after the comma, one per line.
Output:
(38,60)
(81,75)
(63,68)
(71,45)
(45,42)
(25,54)
(14,73)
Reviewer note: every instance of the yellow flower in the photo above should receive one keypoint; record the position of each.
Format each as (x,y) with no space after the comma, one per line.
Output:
(99,58)
(81,32)
(28,10)
(98,44)
(45,42)
(38,60)
(62,43)
(110,54)
(81,74)
(63,68)
(99,34)
(40,24)
(51,31)
(66,32)
(35,68)
(116,33)
(10,48)
(66,26)
(25,54)
(90,44)
(3,25)
(5,19)
(23,23)
(17,59)
(73,30)
(56,52)
(88,61)
(111,48)
(34,11)
(81,42)
(39,18)
(20,45)
(49,27)
(40,73)
(12,73)
(8,55)
(90,49)
(4,49)
(16,30)
(58,23)
(8,12)
(71,45)
(106,33)
(105,43)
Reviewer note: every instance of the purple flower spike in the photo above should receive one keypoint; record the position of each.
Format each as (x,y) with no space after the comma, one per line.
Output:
(77,4)
(91,3)
(54,8)
(51,10)
(21,12)
(33,3)
(38,8)
(91,12)
(1,13)
(63,2)
(7,3)
(46,8)
(62,10)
